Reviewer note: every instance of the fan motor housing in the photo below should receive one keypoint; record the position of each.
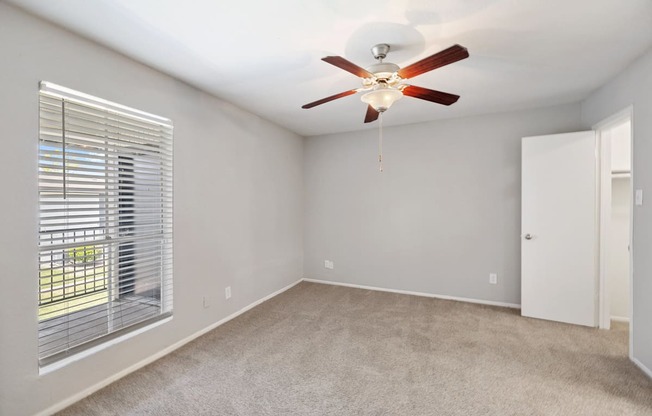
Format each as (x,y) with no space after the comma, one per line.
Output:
(383,69)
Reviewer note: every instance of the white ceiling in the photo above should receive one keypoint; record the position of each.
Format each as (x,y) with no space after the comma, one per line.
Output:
(264,55)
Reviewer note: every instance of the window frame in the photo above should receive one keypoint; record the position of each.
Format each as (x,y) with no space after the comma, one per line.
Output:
(121,187)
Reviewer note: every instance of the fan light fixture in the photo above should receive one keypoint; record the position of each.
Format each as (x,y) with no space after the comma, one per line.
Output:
(382,97)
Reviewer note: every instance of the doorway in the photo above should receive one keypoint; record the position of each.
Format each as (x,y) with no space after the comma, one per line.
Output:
(616,203)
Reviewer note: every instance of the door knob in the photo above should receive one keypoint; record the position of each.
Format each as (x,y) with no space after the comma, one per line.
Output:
(528,236)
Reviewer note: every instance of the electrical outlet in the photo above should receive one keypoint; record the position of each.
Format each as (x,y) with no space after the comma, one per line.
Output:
(329,264)
(493,278)
(227,292)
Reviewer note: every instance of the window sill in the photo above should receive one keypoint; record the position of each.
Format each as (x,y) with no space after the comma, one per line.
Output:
(51,367)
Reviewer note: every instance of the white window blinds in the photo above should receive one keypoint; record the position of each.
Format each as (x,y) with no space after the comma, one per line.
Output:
(105,223)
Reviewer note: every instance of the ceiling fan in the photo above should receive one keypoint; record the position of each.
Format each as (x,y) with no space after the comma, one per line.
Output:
(385,81)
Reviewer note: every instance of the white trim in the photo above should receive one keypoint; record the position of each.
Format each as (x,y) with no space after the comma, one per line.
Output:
(63,92)
(626,113)
(77,397)
(603,207)
(598,247)
(619,319)
(46,369)
(409,292)
(87,392)
(631,237)
(643,368)
(630,109)
(615,118)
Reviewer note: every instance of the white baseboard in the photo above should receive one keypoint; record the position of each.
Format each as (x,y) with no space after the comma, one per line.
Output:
(87,392)
(408,292)
(643,368)
(619,319)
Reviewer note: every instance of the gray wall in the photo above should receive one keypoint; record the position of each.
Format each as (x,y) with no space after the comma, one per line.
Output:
(443,215)
(634,87)
(238,204)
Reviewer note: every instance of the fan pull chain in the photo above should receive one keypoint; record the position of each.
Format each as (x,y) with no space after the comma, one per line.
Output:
(380,142)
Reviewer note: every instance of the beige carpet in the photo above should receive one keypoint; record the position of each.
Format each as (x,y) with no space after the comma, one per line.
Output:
(328,350)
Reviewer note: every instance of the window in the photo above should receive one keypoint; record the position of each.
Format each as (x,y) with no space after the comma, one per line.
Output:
(105,221)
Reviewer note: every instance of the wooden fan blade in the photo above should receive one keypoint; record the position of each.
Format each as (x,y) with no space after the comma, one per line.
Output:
(372,115)
(447,56)
(327,99)
(342,63)
(438,97)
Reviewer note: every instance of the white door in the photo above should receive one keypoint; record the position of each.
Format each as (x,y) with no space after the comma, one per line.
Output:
(559,228)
